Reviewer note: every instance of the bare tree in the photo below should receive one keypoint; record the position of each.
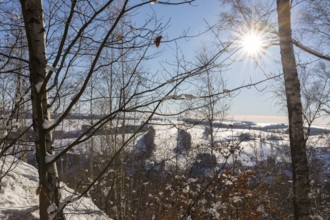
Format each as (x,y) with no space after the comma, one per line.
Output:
(76,41)
(48,178)
(259,17)
(14,127)
(214,108)
(301,182)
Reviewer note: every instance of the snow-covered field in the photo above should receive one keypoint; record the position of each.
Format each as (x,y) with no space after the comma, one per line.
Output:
(246,142)
(252,143)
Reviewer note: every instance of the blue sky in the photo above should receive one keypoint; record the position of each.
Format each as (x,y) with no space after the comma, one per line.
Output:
(248,101)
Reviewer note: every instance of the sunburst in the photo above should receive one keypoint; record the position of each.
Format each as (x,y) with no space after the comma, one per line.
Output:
(252,43)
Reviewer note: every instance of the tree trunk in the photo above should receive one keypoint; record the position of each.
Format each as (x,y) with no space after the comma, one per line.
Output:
(301,183)
(35,32)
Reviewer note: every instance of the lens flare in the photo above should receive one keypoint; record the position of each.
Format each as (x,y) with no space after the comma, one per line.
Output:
(252,43)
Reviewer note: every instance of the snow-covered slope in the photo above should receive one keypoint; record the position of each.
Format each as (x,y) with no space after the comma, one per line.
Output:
(252,142)
(18,198)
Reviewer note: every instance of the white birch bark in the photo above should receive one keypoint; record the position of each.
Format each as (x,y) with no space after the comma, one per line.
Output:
(33,16)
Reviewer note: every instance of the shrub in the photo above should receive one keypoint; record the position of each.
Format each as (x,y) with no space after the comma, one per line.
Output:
(203,162)
(146,144)
(246,137)
(183,142)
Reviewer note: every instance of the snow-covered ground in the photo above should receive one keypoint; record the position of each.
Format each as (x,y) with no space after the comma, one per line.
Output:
(253,142)
(18,198)
(264,140)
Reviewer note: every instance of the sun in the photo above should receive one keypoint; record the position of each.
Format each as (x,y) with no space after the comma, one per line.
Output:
(252,43)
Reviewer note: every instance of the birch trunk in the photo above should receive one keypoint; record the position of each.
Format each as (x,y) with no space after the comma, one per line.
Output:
(301,183)
(35,32)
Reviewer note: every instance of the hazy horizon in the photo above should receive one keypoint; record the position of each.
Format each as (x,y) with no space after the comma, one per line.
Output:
(322,121)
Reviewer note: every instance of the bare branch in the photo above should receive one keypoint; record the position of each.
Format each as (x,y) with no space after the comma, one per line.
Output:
(310,50)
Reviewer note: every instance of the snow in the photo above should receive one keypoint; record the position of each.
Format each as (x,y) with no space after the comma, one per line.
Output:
(4,133)
(51,68)
(181,96)
(47,124)
(18,199)
(39,85)
(49,157)
(265,140)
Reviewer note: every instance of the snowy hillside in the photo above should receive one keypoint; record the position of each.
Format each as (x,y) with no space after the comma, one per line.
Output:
(245,142)
(18,199)
(242,141)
